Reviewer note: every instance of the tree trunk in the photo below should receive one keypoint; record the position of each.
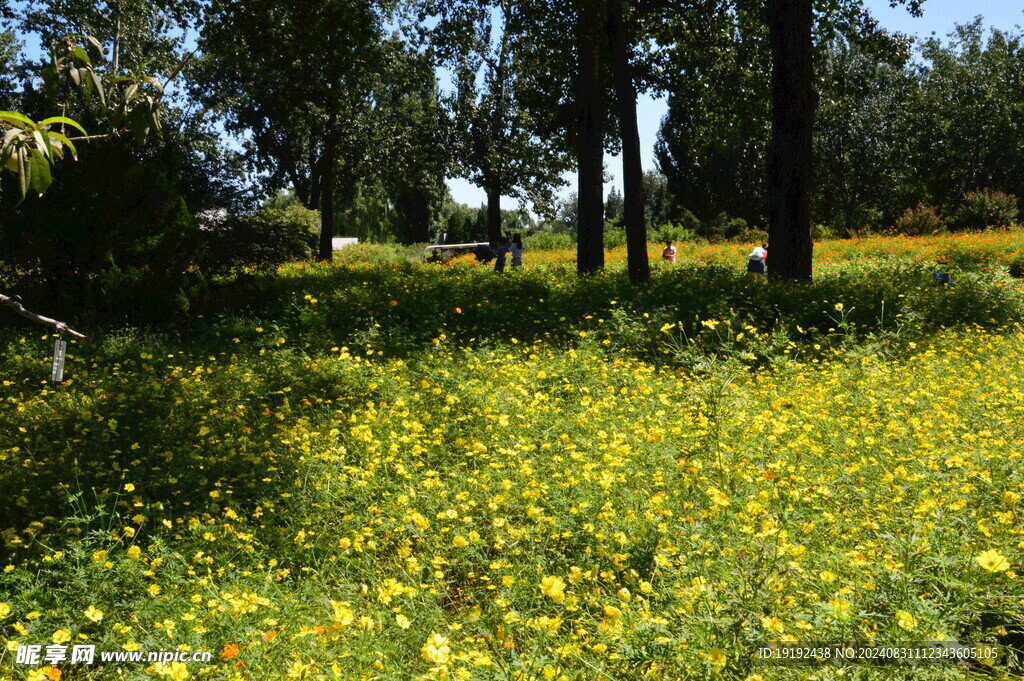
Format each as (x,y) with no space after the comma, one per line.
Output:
(493,213)
(790,156)
(632,169)
(327,198)
(590,243)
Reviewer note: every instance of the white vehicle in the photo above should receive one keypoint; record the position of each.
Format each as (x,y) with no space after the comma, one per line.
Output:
(481,250)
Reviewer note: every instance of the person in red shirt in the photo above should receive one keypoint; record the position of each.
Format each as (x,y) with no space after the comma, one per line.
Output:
(669,253)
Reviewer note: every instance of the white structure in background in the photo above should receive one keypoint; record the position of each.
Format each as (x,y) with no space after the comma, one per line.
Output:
(342,241)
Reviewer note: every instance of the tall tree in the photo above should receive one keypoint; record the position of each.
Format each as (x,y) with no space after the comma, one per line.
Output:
(590,43)
(132,32)
(620,42)
(790,151)
(863,139)
(300,78)
(495,143)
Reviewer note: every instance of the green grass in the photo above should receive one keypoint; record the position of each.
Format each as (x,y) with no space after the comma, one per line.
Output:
(393,472)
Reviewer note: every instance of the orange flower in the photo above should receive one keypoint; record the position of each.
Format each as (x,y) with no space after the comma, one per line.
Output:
(270,636)
(52,673)
(230,651)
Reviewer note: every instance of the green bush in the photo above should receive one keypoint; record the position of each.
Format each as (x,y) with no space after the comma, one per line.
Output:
(673,231)
(823,232)
(614,236)
(372,254)
(920,220)
(985,209)
(751,235)
(268,237)
(549,241)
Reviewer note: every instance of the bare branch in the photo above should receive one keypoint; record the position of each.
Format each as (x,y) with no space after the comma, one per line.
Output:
(14,302)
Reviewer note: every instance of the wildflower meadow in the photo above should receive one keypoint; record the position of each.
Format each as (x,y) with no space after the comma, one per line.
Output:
(418,471)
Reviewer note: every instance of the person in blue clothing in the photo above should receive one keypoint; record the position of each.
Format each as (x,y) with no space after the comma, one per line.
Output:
(517,251)
(501,253)
(756,261)
(484,253)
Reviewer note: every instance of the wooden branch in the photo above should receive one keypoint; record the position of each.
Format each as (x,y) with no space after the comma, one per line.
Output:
(107,136)
(14,302)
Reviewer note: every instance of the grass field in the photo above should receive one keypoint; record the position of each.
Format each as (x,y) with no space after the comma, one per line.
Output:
(402,471)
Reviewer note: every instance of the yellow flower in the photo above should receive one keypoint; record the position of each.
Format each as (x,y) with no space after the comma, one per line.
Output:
(718,497)
(839,307)
(553,587)
(297,670)
(129,487)
(717,657)
(177,671)
(436,649)
(772,624)
(992,560)
(905,620)
(840,605)
(94,614)
(827,576)
(134,551)
(665,328)
(403,621)
(460,541)
(154,589)
(5,610)
(61,636)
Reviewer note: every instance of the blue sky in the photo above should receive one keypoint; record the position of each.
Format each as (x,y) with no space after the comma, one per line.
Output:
(940,17)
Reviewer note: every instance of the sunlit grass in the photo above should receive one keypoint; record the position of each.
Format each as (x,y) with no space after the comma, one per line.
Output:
(413,471)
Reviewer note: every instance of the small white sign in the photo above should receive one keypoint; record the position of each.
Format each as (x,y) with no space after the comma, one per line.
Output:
(57,372)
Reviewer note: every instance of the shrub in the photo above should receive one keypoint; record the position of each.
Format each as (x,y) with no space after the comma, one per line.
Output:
(549,241)
(823,232)
(371,254)
(751,235)
(920,220)
(986,208)
(673,231)
(268,237)
(614,236)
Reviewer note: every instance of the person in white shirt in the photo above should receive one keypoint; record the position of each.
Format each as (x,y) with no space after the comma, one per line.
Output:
(517,251)
(756,261)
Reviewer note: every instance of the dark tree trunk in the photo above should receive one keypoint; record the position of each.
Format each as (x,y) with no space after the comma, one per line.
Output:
(790,157)
(493,213)
(327,199)
(632,170)
(590,243)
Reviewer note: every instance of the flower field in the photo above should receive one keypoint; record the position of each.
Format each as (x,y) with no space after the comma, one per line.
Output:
(413,471)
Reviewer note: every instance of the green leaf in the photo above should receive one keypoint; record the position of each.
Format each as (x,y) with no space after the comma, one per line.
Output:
(75,74)
(66,142)
(51,80)
(98,86)
(82,56)
(43,144)
(15,118)
(24,172)
(41,178)
(140,121)
(97,45)
(62,119)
